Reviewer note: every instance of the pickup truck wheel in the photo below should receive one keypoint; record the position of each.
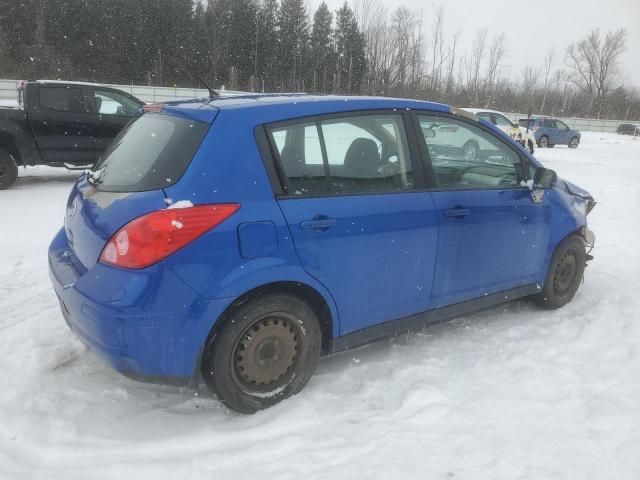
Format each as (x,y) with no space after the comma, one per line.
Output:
(574,142)
(266,351)
(8,170)
(565,274)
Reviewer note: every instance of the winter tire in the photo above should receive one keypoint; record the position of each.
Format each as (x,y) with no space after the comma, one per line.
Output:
(471,151)
(266,351)
(543,142)
(574,142)
(8,170)
(565,274)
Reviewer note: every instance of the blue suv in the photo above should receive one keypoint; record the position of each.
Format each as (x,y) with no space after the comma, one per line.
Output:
(550,132)
(236,240)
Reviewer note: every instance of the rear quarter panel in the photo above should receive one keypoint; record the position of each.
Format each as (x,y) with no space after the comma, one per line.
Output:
(228,168)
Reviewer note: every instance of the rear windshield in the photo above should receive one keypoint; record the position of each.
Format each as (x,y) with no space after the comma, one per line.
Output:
(151,153)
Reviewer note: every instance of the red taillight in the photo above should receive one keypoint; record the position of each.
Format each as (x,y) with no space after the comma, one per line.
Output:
(154,236)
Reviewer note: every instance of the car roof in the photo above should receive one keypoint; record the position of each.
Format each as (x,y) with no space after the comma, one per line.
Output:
(283,106)
(482,110)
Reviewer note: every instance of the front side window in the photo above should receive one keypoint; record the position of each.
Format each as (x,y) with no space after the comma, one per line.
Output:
(503,121)
(62,99)
(109,102)
(562,125)
(465,157)
(347,155)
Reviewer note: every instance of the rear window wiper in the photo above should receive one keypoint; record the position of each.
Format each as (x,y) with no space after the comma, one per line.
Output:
(95,177)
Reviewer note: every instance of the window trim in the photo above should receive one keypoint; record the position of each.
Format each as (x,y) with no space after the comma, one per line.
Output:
(275,170)
(428,165)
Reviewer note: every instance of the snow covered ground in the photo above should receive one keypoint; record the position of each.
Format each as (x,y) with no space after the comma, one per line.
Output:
(512,393)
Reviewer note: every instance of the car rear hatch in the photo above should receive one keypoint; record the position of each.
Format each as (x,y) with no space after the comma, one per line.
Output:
(151,154)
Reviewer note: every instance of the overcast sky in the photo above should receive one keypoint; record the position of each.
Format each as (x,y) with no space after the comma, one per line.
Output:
(532,27)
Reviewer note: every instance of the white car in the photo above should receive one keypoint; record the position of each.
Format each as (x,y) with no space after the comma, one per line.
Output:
(500,120)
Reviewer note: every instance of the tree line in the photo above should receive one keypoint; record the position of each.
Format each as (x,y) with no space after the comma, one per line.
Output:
(279,46)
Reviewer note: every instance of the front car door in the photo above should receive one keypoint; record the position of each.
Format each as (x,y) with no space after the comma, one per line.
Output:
(361,220)
(492,235)
(564,132)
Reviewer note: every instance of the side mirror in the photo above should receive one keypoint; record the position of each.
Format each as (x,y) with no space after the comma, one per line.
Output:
(545,178)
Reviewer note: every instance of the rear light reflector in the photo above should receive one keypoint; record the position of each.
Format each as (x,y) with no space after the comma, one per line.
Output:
(156,235)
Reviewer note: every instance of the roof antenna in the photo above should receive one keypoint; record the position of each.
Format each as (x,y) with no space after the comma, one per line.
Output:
(212,93)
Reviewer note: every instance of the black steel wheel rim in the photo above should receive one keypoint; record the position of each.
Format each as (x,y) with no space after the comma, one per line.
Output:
(565,273)
(266,355)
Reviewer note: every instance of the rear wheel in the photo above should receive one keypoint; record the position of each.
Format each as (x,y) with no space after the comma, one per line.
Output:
(543,142)
(266,351)
(471,151)
(8,170)
(565,274)
(574,142)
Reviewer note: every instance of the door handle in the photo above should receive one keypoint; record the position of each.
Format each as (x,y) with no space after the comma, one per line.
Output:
(457,212)
(319,223)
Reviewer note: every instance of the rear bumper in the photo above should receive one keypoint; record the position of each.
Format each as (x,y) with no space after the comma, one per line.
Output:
(147,324)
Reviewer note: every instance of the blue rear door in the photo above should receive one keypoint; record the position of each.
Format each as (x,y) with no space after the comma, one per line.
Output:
(361,223)
(492,236)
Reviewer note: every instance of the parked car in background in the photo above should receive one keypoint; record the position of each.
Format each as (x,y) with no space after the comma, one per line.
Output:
(61,124)
(550,132)
(628,129)
(238,239)
(500,120)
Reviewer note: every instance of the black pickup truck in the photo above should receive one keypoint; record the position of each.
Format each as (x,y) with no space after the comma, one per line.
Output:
(61,124)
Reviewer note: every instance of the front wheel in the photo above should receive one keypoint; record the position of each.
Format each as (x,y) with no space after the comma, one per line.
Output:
(8,170)
(565,274)
(574,142)
(266,351)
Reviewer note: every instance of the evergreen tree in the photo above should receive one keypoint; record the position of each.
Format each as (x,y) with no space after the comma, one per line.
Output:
(322,54)
(294,39)
(267,46)
(350,51)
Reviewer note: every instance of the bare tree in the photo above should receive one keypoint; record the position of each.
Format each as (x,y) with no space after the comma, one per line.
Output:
(473,64)
(439,52)
(548,65)
(497,52)
(592,64)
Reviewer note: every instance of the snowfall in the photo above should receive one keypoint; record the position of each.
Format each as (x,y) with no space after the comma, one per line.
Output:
(515,392)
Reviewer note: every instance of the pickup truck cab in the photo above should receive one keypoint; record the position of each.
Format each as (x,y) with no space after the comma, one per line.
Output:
(61,124)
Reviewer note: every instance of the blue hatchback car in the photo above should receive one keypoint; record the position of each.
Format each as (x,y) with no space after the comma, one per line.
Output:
(237,240)
(550,132)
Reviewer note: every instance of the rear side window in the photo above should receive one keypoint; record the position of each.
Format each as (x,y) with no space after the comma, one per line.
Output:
(61,99)
(345,155)
(151,153)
